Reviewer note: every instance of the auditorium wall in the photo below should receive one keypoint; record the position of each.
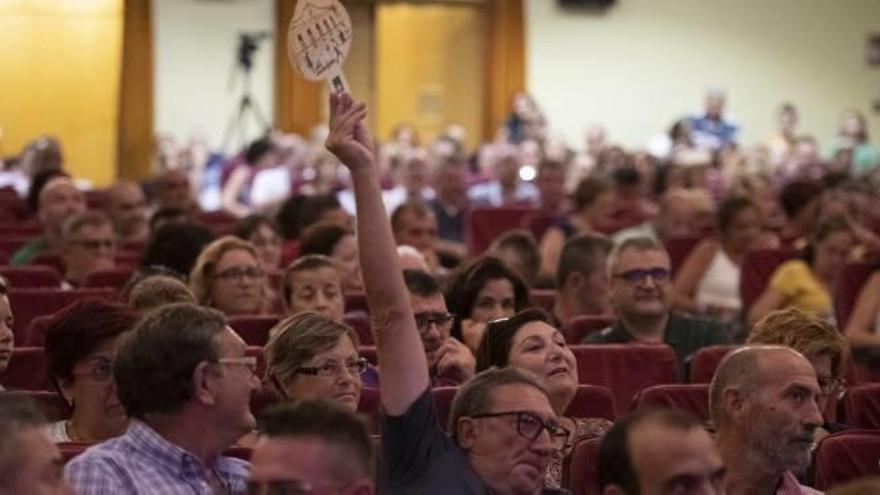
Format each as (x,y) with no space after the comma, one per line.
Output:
(641,63)
(60,76)
(195,44)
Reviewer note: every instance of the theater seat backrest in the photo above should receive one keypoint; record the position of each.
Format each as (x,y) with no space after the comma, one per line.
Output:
(862,406)
(706,360)
(443,403)
(35,335)
(69,450)
(28,304)
(115,278)
(579,471)
(846,456)
(31,276)
(691,398)
(484,225)
(582,326)
(757,268)
(849,286)
(360,322)
(625,368)
(592,401)
(254,329)
(542,298)
(26,370)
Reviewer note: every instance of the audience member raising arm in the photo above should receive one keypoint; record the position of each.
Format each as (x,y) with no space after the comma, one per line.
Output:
(399,347)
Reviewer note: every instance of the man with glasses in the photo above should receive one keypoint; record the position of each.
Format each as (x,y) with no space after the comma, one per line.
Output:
(641,297)
(764,401)
(450,362)
(311,447)
(185,382)
(89,246)
(502,422)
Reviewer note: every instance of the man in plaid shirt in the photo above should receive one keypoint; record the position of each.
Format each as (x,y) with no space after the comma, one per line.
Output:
(183,377)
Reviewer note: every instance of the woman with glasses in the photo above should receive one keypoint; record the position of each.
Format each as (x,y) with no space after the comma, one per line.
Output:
(527,341)
(228,276)
(262,232)
(481,292)
(820,342)
(311,357)
(80,350)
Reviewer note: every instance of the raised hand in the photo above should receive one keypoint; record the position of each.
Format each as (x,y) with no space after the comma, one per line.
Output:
(348,138)
(454,360)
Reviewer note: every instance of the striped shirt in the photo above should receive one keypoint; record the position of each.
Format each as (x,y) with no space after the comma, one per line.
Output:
(143,462)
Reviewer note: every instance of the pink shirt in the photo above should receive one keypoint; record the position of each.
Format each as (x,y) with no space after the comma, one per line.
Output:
(790,486)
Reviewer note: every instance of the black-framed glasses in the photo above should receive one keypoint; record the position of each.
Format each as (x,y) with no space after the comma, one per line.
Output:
(637,276)
(238,272)
(529,425)
(332,369)
(425,319)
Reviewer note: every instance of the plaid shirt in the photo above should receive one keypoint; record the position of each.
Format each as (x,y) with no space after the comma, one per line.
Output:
(790,486)
(142,462)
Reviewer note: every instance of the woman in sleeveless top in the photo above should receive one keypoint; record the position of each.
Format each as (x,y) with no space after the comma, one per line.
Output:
(708,281)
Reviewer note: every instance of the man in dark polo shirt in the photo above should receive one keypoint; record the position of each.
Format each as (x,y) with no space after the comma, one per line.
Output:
(503,430)
(641,297)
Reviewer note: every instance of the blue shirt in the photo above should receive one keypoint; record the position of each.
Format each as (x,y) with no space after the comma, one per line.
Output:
(142,462)
(712,134)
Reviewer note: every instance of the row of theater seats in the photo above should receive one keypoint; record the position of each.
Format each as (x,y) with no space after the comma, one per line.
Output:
(841,457)
(613,378)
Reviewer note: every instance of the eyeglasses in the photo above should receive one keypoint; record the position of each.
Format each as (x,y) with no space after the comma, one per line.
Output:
(830,385)
(529,425)
(659,275)
(100,370)
(332,369)
(95,244)
(238,273)
(249,362)
(428,318)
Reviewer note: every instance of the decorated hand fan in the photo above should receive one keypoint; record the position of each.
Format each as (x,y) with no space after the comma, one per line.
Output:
(318,40)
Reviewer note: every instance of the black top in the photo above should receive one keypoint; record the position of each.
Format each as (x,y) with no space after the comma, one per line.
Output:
(685,334)
(419,458)
(450,222)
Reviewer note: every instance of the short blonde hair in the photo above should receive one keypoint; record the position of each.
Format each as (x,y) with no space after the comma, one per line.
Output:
(804,332)
(298,338)
(201,278)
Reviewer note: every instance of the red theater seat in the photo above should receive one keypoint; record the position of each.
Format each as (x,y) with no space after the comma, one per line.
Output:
(11,244)
(26,370)
(483,225)
(115,278)
(369,353)
(28,304)
(755,273)
(706,360)
(850,284)
(691,398)
(582,326)
(846,456)
(69,450)
(254,329)
(52,404)
(35,334)
(360,322)
(591,401)
(580,471)
(31,276)
(625,368)
(51,260)
(543,298)
(862,406)
(356,302)
(679,248)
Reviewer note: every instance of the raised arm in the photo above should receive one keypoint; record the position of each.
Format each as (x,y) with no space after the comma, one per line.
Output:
(399,348)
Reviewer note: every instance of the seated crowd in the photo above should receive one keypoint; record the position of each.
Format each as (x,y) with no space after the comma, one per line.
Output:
(374,301)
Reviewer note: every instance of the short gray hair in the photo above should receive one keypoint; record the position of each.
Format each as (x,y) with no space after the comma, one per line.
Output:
(639,243)
(475,396)
(75,223)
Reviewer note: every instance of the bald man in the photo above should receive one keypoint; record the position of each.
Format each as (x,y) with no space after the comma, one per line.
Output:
(127,210)
(58,200)
(764,402)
